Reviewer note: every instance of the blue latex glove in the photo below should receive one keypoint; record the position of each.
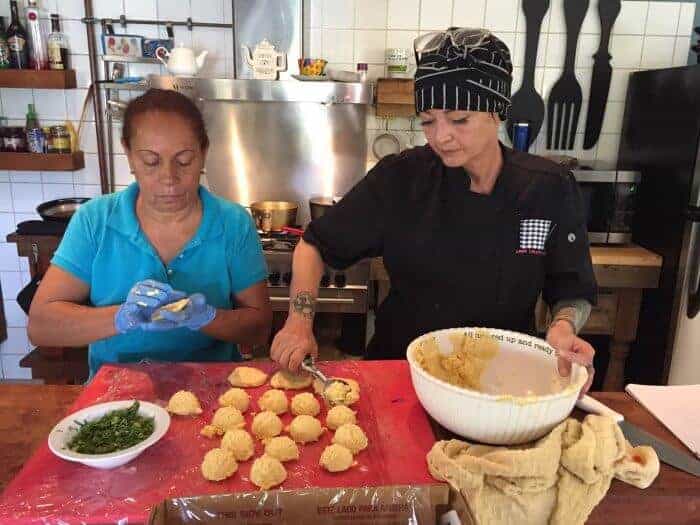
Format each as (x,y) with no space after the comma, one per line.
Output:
(194,316)
(144,298)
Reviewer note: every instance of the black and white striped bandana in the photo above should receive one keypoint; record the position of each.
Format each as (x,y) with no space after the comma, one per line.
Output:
(463,69)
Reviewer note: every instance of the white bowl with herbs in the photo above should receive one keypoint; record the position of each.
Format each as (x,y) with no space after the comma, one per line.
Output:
(108,435)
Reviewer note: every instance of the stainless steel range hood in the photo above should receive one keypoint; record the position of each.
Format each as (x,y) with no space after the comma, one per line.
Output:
(284,140)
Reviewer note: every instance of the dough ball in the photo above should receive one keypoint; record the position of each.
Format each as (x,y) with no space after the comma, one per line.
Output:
(274,401)
(228,418)
(340,415)
(305,405)
(282,448)
(339,393)
(336,458)
(267,472)
(236,398)
(305,429)
(240,443)
(211,431)
(184,403)
(288,381)
(266,425)
(218,464)
(247,377)
(352,437)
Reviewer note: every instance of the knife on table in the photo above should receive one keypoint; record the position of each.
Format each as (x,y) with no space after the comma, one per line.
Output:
(602,73)
(638,437)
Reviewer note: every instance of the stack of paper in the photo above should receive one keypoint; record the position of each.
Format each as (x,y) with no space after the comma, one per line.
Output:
(676,407)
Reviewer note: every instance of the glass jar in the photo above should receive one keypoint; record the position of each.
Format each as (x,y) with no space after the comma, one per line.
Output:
(48,140)
(15,140)
(60,139)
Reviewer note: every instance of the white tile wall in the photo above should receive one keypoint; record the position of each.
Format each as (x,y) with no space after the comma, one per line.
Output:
(403,14)
(646,34)
(436,14)
(371,14)
(469,14)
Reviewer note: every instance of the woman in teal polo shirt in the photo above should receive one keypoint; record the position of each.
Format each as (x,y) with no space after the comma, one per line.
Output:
(160,240)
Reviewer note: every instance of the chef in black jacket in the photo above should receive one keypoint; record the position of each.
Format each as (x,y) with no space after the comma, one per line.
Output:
(471,232)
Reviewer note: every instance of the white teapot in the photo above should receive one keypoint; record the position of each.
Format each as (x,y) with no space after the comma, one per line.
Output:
(265,60)
(182,60)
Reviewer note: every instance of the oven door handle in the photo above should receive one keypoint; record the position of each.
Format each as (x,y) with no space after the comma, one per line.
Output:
(331,300)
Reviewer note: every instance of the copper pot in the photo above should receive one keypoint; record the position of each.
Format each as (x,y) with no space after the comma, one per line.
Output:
(274,215)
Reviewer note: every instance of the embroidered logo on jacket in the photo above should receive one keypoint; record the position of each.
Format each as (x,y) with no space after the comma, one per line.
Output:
(533,236)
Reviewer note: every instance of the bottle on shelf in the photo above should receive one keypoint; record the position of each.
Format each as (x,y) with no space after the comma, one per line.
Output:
(4,49)
(35,135)
(17,40)
(38,56)
(57,45)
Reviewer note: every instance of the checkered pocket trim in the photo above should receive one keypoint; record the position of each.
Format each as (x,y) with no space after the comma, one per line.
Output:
(534,234)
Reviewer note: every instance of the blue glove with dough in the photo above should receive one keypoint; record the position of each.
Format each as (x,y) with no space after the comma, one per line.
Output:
(144,298)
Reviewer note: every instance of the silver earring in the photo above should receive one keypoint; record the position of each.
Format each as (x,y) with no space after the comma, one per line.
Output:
(203,171)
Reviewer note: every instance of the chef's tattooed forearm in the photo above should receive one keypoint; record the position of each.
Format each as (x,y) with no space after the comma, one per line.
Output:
(304,304)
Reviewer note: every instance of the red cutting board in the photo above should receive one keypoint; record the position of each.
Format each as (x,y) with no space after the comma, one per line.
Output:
(51,490)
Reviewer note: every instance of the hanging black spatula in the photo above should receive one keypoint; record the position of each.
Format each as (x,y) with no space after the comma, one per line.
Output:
(602,73)
(528,105)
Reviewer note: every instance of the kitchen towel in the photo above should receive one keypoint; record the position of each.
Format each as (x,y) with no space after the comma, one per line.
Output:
(558,480)
(676,407)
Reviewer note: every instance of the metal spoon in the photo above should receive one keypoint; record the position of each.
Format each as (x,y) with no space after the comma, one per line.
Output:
(309,366)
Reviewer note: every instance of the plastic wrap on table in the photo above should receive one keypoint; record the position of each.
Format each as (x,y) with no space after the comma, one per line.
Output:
(391,505)
(49,490)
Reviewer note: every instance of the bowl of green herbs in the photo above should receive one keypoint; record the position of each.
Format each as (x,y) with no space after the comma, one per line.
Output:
(108,435)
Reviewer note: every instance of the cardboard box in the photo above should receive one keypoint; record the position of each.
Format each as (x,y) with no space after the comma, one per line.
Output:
(389,505)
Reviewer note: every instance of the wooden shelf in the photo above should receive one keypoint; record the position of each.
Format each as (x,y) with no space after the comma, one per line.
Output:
(29,78)
(42,161)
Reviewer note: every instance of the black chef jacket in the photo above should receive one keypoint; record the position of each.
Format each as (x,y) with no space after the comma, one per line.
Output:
(459,258)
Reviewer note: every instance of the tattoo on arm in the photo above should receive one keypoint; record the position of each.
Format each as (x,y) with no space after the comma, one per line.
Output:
(304,304)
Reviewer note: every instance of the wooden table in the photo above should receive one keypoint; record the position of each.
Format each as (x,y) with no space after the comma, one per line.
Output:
(622,273)
(28,412)
(27,415)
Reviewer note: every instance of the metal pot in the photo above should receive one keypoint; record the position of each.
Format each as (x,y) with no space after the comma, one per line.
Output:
(60,210)
(320,205)
(274,215)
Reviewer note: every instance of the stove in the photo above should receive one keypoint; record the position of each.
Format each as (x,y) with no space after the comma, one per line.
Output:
(343,291)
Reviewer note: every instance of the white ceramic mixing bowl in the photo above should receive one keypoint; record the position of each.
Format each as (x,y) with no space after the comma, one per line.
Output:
(492,418)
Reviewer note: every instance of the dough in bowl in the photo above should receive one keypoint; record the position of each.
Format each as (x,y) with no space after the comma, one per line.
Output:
(266,425)
(228,418)
(274,401)
(340,393)
(305,404)
(247,377)
(236,398)
(282,448)
(305,429)
(336,458)
(240,443)
(218,464)
(184,403)
(339,415)
(288,381)
(267,472)
(352,437)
